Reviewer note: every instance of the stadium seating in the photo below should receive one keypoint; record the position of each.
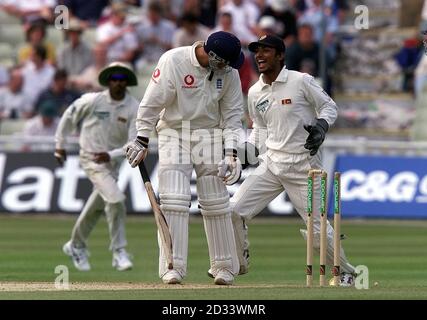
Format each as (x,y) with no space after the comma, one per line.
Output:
(55,36)
(13,35)
(6,51)
(11,126)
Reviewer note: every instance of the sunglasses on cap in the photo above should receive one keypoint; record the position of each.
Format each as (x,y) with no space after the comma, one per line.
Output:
(118,76)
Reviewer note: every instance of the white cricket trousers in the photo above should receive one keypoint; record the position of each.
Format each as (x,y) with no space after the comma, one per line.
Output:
(106,196)
(178,155)
(270,179)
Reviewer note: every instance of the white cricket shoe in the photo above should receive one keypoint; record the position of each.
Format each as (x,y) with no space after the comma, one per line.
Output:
(172,277)
(224,278)
(121,260)
(243,269)
(346,280)
(80,256)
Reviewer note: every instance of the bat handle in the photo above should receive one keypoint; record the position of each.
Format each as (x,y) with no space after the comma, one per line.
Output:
(143,171)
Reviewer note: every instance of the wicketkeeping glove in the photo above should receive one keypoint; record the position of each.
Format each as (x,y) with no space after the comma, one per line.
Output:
(250,154)
(316,135)
(61,156)
(136,151)
(230,168)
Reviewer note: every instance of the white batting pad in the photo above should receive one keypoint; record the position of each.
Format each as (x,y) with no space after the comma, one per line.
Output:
(214,201)
(175,196)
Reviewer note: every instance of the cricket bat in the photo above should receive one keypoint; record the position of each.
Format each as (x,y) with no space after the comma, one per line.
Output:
(160,219)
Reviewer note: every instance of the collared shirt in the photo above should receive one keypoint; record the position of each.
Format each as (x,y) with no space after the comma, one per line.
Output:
(163,31)
(106,125)
(60,100)
(34,127)
(36,80)
(182,38)
(116,50)
(180,90)
(75,60)
(280,111)
(245,18)
(13,104)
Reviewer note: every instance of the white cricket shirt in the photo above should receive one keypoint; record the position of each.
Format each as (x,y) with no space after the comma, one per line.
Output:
(180,90)
(280,111)
(106,125)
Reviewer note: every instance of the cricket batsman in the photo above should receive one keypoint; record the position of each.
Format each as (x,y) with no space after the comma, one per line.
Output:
(195,95)
(291,114)
(107,122)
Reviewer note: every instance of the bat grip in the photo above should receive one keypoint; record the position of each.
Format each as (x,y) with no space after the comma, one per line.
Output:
(143,171)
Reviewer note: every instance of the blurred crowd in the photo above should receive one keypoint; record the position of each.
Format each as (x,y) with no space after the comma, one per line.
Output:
(43,78)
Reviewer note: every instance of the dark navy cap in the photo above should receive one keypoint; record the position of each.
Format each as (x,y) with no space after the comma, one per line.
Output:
(226,46)
(268,41)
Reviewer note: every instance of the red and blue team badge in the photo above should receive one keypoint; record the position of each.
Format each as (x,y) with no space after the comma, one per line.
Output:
(219,83)
(286,101)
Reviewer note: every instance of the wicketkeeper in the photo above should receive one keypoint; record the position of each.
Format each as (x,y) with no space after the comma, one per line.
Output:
(196,93)
(106,121)
(291,114)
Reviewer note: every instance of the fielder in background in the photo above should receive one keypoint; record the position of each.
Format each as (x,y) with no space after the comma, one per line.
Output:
(196,92)
(107,122)
(291,114)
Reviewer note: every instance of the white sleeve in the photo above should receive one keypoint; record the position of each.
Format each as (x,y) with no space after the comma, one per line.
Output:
(326,108)
(259,128)
(71,117)
(160,93)
(231,108)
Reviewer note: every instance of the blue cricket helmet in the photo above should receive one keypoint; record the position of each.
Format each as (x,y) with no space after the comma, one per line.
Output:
(227,46)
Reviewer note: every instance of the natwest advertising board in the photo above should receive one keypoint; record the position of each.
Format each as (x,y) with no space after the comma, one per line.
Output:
(33,182)
(371,186)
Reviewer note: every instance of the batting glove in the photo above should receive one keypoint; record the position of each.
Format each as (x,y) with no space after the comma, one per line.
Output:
(61,156)
(136,151)
(230,168)
(316,135)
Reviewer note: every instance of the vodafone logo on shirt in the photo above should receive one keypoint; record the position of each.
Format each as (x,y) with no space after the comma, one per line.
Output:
(156,75)
(189,82)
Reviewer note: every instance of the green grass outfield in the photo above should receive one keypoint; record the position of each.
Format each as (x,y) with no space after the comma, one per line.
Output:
(30,249)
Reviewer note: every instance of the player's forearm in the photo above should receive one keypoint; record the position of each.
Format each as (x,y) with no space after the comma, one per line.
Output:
(116,153)
(63,129)
(146,120)
(329,112)
(67,123)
